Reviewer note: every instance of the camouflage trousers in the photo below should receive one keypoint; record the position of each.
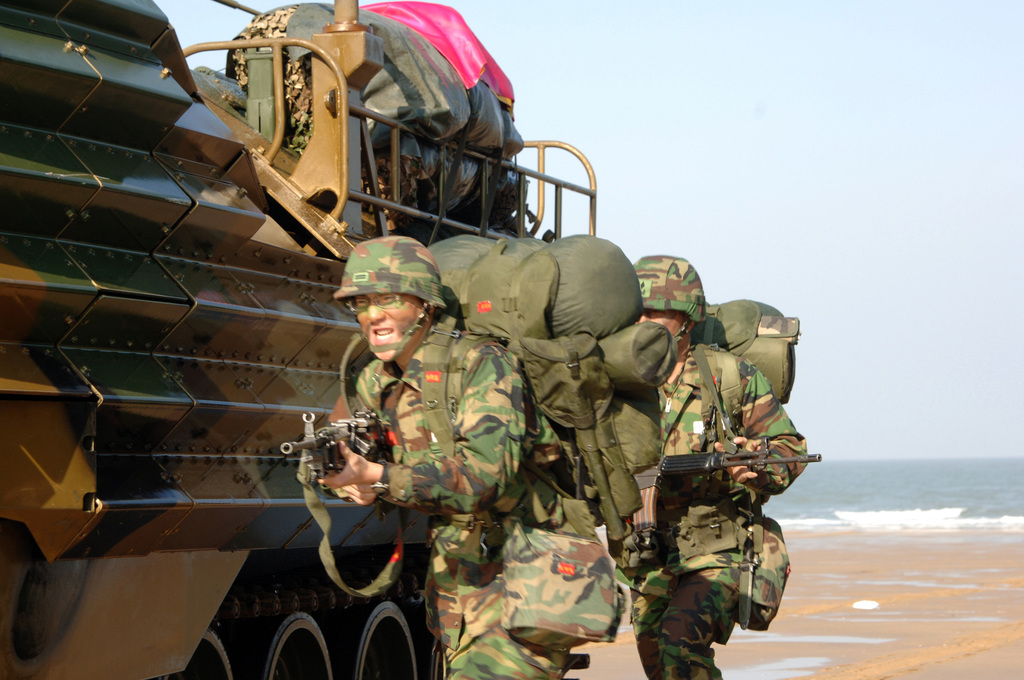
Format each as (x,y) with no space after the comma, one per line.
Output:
(485,650)
(675,628)
(495,656)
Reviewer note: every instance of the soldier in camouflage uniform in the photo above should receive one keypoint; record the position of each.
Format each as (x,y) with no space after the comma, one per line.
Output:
(393,286)
(686,585)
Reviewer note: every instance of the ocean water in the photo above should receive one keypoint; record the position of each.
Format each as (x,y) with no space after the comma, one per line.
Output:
(893,495)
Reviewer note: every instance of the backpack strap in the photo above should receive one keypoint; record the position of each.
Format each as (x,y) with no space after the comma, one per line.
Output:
(449,358)
(712,409)
(444,364)
(750,504)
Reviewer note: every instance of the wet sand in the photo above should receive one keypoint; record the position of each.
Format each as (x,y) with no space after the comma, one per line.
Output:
(949,605)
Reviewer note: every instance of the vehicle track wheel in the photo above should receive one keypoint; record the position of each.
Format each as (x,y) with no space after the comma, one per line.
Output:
(385,648)
(210,662)
(298,651)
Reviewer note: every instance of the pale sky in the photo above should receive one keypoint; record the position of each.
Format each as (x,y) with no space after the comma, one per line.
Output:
(859,165)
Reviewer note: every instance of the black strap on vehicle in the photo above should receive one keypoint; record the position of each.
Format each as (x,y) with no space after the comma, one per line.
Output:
(449,181)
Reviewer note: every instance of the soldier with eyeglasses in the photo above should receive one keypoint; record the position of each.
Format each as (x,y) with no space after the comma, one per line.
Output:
(393,287)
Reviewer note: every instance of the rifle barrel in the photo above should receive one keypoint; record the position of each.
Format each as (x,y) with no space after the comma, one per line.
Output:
(709,462)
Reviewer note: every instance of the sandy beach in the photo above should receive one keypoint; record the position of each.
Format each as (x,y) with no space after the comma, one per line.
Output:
(930,605)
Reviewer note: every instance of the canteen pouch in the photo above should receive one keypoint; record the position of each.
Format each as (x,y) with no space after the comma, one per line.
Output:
(771,572)
(560,588)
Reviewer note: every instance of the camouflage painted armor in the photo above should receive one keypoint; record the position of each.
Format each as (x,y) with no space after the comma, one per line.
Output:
(686,598)
(391,264)
(671,283)
(495,428)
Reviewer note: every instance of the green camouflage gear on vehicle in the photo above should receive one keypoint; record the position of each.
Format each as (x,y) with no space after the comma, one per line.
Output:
(391,264)
(671,283)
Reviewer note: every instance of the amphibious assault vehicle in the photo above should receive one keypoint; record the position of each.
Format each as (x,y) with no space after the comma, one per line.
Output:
(168,251)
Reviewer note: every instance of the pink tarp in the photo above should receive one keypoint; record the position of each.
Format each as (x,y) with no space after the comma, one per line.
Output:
(447,31)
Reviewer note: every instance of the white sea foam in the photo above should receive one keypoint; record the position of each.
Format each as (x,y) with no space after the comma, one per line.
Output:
(905,495)
(939,518)
(901,518)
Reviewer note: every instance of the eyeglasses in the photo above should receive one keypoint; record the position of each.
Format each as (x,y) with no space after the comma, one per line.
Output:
(361,303)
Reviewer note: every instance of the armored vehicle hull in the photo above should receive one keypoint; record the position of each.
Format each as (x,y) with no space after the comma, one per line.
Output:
(166,318)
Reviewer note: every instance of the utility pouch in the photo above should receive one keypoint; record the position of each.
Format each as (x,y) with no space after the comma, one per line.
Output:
(708,529)
(636,550)
(635,418)
(568,378)
(560,588)
(767,576)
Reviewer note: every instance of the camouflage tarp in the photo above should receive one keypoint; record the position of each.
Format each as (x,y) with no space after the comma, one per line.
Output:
(418,87)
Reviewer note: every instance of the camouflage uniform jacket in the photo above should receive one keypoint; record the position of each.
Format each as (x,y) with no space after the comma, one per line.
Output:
(495,427)
(682,429)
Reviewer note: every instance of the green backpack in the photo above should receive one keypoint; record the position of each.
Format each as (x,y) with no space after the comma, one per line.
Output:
(757,332)
(567,311)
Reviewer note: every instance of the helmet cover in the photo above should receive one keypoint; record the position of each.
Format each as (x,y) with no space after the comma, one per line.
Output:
(391,264)
(671,283)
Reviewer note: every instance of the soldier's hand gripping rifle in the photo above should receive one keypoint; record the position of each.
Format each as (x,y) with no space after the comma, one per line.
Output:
(700,463)
(362,433)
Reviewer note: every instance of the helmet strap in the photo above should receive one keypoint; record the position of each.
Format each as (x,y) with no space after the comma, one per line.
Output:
(399,345)
(684,329)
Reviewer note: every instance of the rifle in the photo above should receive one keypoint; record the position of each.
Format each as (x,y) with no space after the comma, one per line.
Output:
(363,434)
(698,463)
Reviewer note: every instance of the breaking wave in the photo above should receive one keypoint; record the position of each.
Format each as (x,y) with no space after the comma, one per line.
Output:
(941,518)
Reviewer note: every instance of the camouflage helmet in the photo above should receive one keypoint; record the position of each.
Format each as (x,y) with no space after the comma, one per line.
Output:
(671,283)
(391,264)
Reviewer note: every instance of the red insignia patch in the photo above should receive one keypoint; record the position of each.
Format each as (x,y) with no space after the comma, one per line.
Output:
(566,569)
(483,307)
(433,376)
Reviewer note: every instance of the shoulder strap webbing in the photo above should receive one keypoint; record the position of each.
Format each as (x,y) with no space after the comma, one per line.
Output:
(710,387)
(755,528)
(443,365)
(440,420)
(668,425)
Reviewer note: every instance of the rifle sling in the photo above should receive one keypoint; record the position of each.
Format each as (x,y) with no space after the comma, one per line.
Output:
(388,575)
